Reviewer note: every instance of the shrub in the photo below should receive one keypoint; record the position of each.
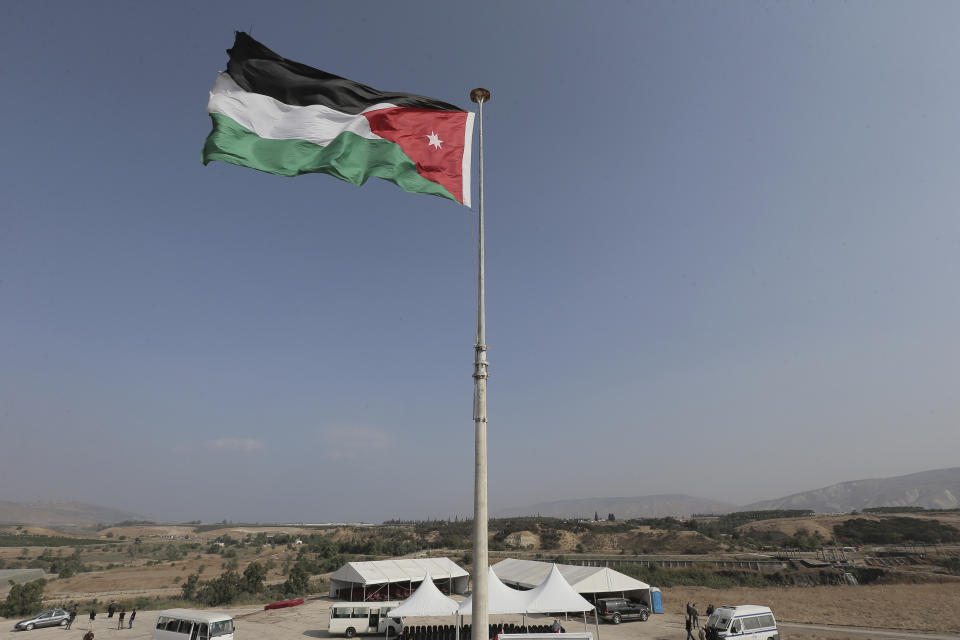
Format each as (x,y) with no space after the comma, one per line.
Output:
(896,531)
(866,575)
(299,581)
(951,564)
(172,552)
(253,577)
(24,599)
(549,539)
(189,588)
(221,591)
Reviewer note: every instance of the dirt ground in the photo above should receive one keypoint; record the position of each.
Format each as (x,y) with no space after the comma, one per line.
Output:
(162,579)
(919,607)
(310,620)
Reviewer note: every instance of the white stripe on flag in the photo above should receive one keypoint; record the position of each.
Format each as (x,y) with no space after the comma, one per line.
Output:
(467,157)
(269,118)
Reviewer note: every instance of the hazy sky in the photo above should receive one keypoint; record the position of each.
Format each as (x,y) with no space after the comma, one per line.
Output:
(722,260)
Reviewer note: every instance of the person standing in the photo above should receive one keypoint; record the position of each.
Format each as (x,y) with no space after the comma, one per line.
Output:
(73,616)
(111,608)
(695,615)
(123,612)
(93,615)
(690,629)
(133,614)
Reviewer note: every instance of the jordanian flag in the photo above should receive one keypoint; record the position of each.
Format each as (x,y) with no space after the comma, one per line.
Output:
(283,117)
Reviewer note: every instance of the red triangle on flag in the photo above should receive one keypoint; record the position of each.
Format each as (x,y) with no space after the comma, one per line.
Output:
(415,129)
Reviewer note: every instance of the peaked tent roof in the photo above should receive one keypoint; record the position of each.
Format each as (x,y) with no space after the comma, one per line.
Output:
(398,570)
(426,601)
(554,595)
(500,598)
(530,573)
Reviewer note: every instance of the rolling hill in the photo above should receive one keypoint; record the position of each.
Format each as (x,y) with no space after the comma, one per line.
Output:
(61,514)
(938,489)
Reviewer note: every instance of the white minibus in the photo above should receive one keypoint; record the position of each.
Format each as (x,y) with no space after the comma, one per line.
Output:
(351,618)
(190,624)
(746,621)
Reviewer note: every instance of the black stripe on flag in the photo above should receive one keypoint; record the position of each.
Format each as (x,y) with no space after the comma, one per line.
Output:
(259,70)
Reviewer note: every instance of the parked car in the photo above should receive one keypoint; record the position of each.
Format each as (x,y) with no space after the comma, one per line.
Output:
(47,618)
(616,610)
(746,621)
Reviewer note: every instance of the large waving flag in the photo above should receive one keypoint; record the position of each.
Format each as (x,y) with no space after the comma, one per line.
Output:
(286,118)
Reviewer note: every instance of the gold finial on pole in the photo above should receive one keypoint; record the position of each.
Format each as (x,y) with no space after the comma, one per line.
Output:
(479,95)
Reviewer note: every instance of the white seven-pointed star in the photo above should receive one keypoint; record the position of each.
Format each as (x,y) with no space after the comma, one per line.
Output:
(434,140)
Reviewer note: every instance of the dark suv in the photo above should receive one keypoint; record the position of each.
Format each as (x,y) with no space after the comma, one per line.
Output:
(616,610)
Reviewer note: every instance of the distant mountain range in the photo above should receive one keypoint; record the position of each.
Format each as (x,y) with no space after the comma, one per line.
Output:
(676,504)
(61,514)
(939,489)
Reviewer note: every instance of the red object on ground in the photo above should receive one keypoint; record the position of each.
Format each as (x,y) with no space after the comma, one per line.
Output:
(283,603)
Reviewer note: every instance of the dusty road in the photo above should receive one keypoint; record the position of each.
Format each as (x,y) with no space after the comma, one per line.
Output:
(310,621)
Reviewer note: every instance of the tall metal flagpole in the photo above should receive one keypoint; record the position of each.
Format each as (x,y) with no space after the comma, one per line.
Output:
(480,618)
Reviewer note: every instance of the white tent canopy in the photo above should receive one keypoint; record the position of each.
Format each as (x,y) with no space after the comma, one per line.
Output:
(426,601)
(372,575)
(500,598)
(584,580)
(554,595)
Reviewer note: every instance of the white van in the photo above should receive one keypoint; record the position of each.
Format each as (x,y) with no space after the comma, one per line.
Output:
(747,621)
(351,618)
(190,624)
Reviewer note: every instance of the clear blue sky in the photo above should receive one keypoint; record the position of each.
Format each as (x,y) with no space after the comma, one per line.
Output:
(722,260)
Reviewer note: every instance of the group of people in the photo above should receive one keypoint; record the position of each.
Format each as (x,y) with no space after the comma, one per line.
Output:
(693,621)
(111,609)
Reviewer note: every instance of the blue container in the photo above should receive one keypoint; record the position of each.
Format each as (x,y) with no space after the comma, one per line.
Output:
(656,600)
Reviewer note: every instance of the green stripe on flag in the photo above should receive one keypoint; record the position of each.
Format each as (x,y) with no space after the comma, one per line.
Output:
(348,157)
